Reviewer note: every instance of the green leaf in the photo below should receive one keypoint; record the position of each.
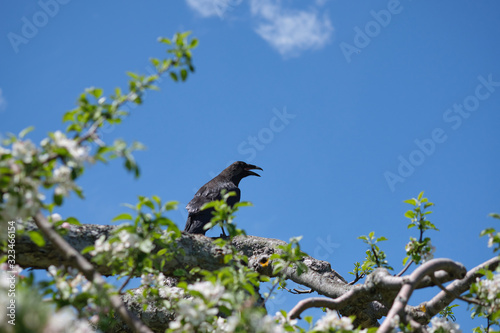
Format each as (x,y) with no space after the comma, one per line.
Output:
(243,204)
(96,92)
(194,43)
(133,75)
(164,40)
(171,205)
(486,232)
(123,216)
(58,199)
(156,199)
(264,278)
(228,258)
(179,272)
(184,74)
(410,214)
(420,195)
(411,201)
(26,131)
(73,220)
(495,215)
(68,116)
(174,76)
(210,204)
(88,249)
(148,203)
(155,62)
(37,238)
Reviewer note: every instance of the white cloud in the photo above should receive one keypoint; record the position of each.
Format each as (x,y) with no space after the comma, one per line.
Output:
(3,102)
(207,8)
(321,2)
(290,31)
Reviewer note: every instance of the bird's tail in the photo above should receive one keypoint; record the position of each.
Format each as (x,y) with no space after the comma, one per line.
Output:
(194,225)
(189,224)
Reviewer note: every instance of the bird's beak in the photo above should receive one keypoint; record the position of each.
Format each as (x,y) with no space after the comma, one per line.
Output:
(252,167)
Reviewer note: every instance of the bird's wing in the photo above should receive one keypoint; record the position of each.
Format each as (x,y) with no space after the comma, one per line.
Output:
(208,193)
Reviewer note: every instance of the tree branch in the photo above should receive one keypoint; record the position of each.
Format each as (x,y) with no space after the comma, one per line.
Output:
(368,302)
(410,284)
(77,260)
(443,299)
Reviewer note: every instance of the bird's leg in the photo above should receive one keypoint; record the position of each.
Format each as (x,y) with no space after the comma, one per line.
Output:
(223,235)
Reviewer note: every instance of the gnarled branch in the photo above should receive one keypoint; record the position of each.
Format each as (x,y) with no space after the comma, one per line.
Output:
(368,302)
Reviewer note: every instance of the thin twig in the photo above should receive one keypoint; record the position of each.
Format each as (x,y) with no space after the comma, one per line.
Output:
(291,291)
(357,278)
(405,268)
(296,291)
(128,279)
(92,130)
(270,292)
(303,291)
(454,294)
(375,255)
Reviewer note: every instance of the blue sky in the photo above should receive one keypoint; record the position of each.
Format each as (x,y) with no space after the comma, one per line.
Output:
(349,107)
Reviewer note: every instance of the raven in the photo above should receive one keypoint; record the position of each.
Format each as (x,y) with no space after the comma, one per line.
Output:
(228,180)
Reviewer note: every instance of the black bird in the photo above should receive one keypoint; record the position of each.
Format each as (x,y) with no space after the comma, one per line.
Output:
(228,180)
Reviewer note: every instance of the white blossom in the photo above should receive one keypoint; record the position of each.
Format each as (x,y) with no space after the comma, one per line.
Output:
(55,217)
(101,245)
(52,270)
(266,324)
(120,249)
(428,252)
(226,325)
(6,272)
(4,151)
(16,270)
(23,204)
(65,321)
(77,151)
(491,238)
(410,246)
(332,321)
(208,290)
(282,320)
(489,291)
(197,314)
(24,151)
(445,324)
(147,279)
(128,239)
(171,292)
(60,321)
(62,176)
(45,142)
(394,323)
